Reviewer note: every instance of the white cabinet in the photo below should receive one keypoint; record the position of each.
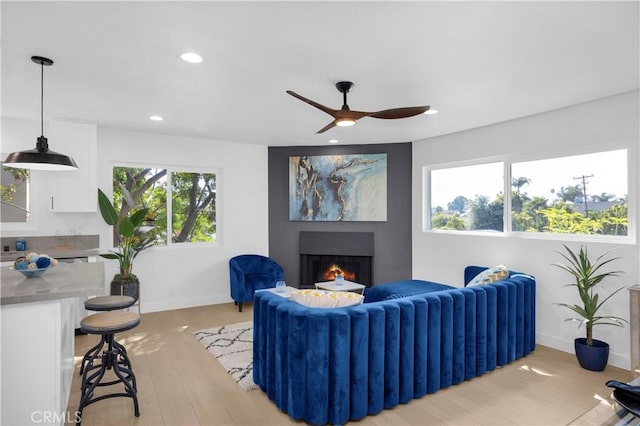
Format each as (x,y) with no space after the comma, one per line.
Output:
(74,191)
(37,362)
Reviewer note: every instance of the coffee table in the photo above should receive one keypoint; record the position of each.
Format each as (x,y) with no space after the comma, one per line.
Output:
(344,286)
(286,293)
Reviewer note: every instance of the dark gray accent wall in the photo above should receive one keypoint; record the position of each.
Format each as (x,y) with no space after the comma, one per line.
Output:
(392,239)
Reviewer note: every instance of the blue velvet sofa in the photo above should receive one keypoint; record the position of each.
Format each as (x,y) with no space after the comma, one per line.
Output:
(335,365)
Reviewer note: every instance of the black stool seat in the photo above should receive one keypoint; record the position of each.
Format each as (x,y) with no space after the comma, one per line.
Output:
(111,355)
(108,303)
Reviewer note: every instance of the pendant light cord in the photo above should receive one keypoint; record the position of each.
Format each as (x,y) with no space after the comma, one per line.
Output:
(42,99)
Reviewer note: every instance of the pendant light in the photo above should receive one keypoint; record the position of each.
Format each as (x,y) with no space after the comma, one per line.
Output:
(40,158)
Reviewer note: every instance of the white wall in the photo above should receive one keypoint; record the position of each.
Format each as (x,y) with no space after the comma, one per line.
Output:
(174,277)
(442,257)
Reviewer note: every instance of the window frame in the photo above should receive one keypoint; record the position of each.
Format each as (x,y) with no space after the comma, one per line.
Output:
(173,168)
(630,145)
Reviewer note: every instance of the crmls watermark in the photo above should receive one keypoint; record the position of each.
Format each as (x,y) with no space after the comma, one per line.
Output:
(54,418)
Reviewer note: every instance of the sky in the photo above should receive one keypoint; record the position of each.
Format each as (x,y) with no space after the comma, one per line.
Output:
(608,170)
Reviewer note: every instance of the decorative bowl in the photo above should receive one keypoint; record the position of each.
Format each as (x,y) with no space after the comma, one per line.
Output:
(32,273)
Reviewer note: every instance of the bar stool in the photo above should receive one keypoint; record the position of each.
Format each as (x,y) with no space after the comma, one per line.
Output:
(108,303)
(100,304)
(113,357)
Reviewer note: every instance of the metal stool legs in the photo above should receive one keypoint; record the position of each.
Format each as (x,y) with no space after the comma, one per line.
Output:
(95,350)
(112,358)
(107,355)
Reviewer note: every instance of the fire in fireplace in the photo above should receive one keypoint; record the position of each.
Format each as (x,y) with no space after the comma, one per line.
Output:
(335,270)
(318,267)
(323,255)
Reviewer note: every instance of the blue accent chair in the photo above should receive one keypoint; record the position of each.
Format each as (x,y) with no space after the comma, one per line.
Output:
(251,272)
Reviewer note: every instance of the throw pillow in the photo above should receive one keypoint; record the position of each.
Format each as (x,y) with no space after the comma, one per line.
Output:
(490,275)
(326,299)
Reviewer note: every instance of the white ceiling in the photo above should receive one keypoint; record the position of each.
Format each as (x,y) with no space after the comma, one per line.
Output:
(478,63)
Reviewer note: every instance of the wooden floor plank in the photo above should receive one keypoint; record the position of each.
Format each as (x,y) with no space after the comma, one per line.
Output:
(181,383)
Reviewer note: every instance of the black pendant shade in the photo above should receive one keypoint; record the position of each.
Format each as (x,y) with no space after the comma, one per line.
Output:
(40,158)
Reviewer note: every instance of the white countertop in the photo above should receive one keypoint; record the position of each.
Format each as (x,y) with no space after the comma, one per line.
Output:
(60,282)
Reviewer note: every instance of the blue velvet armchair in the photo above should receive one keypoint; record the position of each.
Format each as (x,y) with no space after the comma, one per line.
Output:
(251,272)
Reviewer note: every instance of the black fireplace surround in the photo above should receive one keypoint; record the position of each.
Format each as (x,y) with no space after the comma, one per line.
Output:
(323,254)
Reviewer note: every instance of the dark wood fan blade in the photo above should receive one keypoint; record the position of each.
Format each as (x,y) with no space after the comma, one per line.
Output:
(349,113)
(389,114)
(327,127)
(328,110)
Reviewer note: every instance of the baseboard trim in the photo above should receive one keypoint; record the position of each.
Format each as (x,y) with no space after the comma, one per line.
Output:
(147,307)
(616,359)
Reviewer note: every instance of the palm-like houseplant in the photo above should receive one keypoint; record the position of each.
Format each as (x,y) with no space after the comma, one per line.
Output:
(131,239)
(588,275)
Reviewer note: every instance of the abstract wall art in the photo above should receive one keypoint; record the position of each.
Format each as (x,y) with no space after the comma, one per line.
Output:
(338,188)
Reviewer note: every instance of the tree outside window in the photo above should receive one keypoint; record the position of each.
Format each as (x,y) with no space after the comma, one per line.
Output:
(189,196)
(580,194)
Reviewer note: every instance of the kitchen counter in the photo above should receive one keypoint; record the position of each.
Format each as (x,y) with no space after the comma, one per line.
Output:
(10,256)
(66,280)
(62,246)
(37,350)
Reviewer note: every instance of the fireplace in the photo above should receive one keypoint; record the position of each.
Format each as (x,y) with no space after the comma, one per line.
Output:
(323,255)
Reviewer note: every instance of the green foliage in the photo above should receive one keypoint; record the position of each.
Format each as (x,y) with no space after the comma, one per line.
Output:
(131,239)
(487,215)
(535,214)
(20,177)
(142,188)
(459,204)
(570,193)
(587,275)
(445,220)
(193,206)
(193,201)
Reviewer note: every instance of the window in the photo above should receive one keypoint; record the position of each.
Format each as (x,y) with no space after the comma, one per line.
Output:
(193,206)
(181,203)
(468,198)
(14,195)
(584,194)
(579,194)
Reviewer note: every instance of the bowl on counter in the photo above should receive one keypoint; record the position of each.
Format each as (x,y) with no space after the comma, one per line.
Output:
(31,273)
(33,264)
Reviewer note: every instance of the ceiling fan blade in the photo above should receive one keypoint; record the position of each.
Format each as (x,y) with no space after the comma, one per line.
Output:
(328,110)
(350,113)
(327,127)
(389,114)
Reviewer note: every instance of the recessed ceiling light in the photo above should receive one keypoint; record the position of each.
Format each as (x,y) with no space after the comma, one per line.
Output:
(431,111)
(333,140)
(192,58)
(156,118)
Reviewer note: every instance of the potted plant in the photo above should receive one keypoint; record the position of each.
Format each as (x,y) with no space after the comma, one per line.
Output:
(130,239)
(592,354)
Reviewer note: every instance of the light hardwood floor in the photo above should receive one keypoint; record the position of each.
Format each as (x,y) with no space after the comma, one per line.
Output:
(180,383)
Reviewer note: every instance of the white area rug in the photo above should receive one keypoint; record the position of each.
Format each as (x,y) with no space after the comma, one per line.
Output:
(232,345)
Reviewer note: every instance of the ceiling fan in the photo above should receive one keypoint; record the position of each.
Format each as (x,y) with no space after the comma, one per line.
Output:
(347,117)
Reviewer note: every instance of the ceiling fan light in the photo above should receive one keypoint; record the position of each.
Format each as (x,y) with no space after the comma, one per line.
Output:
(191,57)
(345,122)
(431,111)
